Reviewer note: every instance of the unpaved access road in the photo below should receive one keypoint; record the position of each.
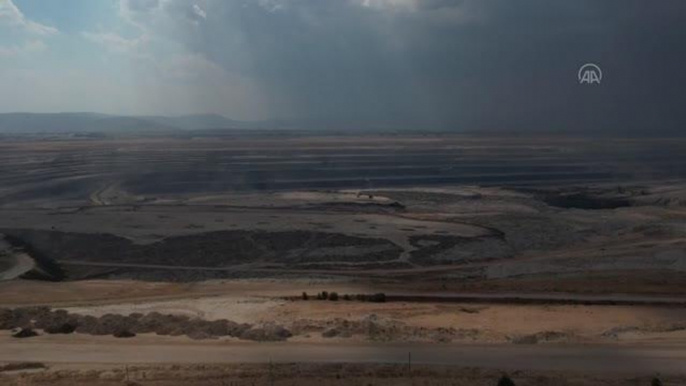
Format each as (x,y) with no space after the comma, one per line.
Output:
(19,264)
(634,359)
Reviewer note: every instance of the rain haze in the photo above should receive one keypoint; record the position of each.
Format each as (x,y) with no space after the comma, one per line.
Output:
(461,65)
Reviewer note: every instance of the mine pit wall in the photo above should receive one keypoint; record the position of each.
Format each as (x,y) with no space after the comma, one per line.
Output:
(86,256)
(45,268)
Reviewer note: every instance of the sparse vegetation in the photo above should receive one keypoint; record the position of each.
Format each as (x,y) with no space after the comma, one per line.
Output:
(334,296)
(22,366)
(61,328)
(123,333)
(378,298)
(25,333)
(505,380)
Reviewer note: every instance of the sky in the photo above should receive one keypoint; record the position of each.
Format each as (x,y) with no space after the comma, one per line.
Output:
(458,64)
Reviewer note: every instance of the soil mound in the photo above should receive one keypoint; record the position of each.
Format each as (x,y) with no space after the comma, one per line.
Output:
(122,326)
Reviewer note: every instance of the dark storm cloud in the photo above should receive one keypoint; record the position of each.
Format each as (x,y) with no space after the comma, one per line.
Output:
(470,64)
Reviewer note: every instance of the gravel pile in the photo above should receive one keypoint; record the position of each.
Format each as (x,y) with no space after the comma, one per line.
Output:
(379,329)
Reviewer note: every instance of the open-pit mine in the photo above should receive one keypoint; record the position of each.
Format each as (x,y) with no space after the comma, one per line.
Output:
(503,254)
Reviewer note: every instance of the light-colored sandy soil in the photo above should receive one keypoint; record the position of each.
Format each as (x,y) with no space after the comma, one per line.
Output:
(259,302)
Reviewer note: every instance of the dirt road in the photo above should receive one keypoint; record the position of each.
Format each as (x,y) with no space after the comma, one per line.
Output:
(19,264)
(635,359)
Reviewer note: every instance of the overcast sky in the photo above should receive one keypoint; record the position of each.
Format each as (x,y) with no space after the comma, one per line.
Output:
(463,64)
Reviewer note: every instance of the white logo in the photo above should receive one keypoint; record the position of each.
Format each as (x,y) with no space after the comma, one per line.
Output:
(590,73)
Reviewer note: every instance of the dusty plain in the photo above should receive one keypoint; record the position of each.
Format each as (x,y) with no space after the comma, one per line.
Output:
(509,243)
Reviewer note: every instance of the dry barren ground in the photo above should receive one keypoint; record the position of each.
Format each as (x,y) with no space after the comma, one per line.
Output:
(308,375)
(571,243)
(320,321)
(443,212)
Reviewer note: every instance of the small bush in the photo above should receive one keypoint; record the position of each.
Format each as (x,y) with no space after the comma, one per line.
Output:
(330,333)
(22,366)
(24,333)
(333,296)
(61,328)
(378,298)
(304,296)
(656,382)
(325,295)
(505,381)
(124,334)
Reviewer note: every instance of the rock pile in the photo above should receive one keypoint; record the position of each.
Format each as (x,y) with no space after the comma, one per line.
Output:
(121,326)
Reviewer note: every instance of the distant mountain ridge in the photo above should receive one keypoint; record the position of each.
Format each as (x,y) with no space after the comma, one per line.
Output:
(86,122)
(214,124)
(17,123)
